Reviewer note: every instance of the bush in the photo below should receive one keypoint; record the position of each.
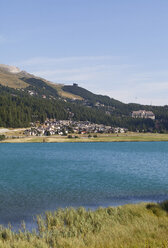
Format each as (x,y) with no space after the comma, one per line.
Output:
(47,133)
(69,136)
(164,205)
(159,209)
(2,137)
(156,209)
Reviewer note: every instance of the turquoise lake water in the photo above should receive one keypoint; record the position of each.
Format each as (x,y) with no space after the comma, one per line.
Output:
(39,177)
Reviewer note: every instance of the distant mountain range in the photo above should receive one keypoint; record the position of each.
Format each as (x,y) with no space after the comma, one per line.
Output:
(25,98)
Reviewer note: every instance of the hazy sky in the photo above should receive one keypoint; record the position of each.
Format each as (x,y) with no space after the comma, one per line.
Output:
(113,47)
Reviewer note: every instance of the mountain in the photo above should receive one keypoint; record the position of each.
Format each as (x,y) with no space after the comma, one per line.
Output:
(9,69)
(13,77)
(25,98)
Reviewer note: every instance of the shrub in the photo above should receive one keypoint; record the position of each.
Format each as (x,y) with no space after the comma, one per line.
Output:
(159,209)
(164,205)
(2,137)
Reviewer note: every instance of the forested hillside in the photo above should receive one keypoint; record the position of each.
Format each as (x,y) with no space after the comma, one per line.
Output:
(92,98)
(118,107)
(25,98)
(18,109)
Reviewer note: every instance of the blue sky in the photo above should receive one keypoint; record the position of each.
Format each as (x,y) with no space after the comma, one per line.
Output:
(117,48)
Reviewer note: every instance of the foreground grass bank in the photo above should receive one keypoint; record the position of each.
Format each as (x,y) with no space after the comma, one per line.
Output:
(130,136)
(140,225)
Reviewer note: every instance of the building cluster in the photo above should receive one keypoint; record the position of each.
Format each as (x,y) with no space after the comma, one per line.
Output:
(64,127)
(143,114)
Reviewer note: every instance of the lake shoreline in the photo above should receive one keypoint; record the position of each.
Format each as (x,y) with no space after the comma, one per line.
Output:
(131,137)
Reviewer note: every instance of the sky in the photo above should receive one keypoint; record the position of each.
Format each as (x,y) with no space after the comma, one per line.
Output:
(111,47)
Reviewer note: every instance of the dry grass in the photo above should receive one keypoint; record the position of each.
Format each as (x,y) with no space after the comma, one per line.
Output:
(12,132)
(124,226)
(12,81)
(63,93)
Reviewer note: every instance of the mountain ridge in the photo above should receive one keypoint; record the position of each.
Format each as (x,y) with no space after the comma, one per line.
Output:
(12,77)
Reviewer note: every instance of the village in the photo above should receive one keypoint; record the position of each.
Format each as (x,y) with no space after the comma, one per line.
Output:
(65,127)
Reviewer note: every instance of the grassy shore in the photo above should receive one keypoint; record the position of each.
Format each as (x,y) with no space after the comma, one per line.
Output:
(140,225)
(130,136)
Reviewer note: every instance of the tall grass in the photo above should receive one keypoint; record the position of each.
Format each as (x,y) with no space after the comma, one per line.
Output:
(140,225)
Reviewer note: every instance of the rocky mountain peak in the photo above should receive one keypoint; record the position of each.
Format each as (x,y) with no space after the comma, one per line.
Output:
(10,69)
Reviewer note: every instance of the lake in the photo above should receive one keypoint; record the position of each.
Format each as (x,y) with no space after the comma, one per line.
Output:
(36,177)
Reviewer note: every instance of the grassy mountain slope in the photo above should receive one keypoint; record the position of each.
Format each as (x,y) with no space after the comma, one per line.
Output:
(12,81)
(21,79)
(64,94)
